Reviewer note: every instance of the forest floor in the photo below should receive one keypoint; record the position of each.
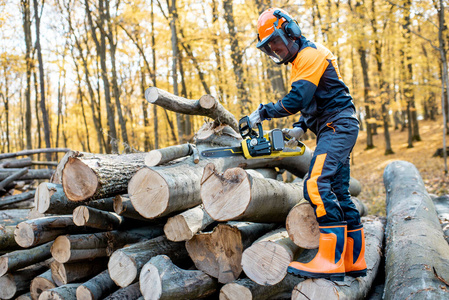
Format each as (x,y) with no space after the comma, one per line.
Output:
(367,166)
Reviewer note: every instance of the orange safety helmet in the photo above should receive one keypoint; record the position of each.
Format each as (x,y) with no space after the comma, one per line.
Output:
(277,33)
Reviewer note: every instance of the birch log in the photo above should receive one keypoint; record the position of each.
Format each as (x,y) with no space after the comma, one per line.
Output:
(236,195)
(64,292)
(267,259)
(96,176)
(161,279)
(51,199)
(96,288)
(185,225)
(66,273)
(23,258)
(219,253)
(417,255)
(125,264)
(350,288)
(41,283)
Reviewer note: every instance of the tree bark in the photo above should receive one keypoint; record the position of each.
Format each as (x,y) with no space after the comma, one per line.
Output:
(51,199)
(96,288)
(131,292)
(12,217)
(31,174)
(7,241)
(164,155)
(41,283)
(236,195)
(66,273)
(23,258)
(219,253)
(15,283)
(206,106)
(350,288)
(69,248)
(8,200)
(161,279)
(95,218)
(124,208)
(95,176)
(266,260)
(185,225)
(65,292)
(416,264)
(125,264)
(17,163)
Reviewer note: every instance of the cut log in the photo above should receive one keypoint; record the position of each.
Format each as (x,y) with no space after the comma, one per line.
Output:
(16,163)
(41,283)
(63,274)
(161,279)
(267,259)
(302,226)
(361,207)
(31,174)
(14,199)
(264,173)
(70,248)
(51,199)
(131,292)
(219,253)
(236,195)
(442,207)
(34,151)
(355,188)
(7,241)
(39,231)
(96,176)
(124,208)
(125,264)
(248,289)
(57,175)
(207,106)
(18,282)
(12,177)
(417,255)
(95,218)
(350,288)
(26,296)
(23,258)
(185,225)
(64,292)
(161,156)
(96,288)
(12,217)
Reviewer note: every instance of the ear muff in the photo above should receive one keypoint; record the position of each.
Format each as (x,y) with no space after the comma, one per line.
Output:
(291,27)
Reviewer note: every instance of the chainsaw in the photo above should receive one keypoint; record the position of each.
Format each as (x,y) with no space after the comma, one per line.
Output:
(256,144)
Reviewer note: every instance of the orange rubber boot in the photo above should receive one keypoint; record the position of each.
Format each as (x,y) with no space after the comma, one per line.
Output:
(329,262)
(355,264)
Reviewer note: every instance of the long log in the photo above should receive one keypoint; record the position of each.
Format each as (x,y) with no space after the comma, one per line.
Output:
(207,106)
(12,217)
(22,258)
(247,289)
(355,188)
(185,225)
(219,253)
(41,283)
(350,288)
(7,240)
(12,177)
(30,175)
(51,199)
(64,292)
(63,274)
(161,156)
(125,264)
(14,283)
(236,195)
(161,279)
(442,207)
(14,199)
(31,152)
(131,292)
(16,163)
(39,231)
(70,248)
(96,176)
(417,255)
(124,208)
(96,288)
(267,259)
(95,218)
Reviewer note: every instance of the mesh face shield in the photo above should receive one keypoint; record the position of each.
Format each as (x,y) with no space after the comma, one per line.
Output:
(278,47)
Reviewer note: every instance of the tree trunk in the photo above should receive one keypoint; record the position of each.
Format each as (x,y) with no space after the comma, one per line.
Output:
(236,195)
(164,155)
(131,292)
(161,279)
(125,264)
(26,16)
(41,283)
(95,176)
(185,225)
(66,273)
(23,258)
(416,264)
(96,288)
(95,218)
(69,248)
(350,288)
(65,292)
(266,260)
(219,253)
(51,199)
(15,283)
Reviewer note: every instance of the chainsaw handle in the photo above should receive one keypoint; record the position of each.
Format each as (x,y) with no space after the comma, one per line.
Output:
(246,130)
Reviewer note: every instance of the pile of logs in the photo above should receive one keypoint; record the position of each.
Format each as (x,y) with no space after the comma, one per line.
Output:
(171,224)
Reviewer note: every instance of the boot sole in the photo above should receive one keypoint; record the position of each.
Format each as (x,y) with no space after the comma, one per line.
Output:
(330,276)
(361,273)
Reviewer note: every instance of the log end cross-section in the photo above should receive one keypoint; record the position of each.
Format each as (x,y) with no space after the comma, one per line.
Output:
(78,180)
